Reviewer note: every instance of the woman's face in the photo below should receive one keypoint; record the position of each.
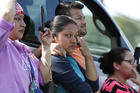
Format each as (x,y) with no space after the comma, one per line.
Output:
(67,38)
(19,28)
(127,65)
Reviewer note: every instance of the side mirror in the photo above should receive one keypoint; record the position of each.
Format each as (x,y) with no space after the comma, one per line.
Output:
(137,57)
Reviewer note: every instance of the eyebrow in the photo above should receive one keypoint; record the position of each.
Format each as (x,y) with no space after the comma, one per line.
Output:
(19,15)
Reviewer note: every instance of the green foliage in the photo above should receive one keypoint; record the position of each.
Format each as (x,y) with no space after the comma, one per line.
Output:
(99,43)
(130,27)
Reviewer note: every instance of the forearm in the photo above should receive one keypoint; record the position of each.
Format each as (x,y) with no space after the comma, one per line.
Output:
(46,53)
(5,29)
(37,52)
(7,10)
(139,88)
(91,72)
(45,65)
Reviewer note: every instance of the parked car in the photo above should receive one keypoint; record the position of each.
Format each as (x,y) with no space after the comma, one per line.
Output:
(103,32)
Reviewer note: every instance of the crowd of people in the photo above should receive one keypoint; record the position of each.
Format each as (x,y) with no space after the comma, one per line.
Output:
(65,57)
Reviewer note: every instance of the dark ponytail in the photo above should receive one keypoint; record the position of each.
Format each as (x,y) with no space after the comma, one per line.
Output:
(107,60)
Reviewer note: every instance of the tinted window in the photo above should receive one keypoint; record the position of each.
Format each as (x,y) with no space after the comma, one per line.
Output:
(32,16)
(98,43)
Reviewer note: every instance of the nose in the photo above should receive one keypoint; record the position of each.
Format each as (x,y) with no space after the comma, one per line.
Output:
(135,64)
(73,40)
(84,21)
(22,23)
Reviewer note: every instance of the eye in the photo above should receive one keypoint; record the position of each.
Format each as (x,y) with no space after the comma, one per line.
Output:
(76,35)
(131,61)
(69,35)
(79,18)
(17,19)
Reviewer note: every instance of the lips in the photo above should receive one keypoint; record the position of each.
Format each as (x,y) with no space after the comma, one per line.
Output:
(83,27)
(72,46)
(21,31)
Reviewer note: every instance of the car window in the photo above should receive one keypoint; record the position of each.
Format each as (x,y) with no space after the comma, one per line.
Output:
(32,17)
(98,43)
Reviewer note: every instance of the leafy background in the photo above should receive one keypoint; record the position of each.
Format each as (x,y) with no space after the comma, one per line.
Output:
(129,26)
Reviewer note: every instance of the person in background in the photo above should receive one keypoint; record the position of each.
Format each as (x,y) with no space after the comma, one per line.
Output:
(120,66)
(21,71)
(69,76)
(74,10)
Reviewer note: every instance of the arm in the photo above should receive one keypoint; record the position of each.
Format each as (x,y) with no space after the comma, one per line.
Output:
(90,73)
(64,74)
(57,49)
(94,84)
(45,64)
(136,79)
(6,17)
(7,10)
(37,52)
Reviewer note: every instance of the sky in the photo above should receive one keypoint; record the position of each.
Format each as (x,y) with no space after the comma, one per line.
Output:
(130,8)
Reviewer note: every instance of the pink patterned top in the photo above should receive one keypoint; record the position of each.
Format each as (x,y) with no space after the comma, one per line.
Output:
(113,86)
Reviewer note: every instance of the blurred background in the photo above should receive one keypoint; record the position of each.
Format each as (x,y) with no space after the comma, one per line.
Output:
(127,15)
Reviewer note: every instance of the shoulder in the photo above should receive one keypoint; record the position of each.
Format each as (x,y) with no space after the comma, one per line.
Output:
(58,58)
(111,85)
(5,25)
(25,50)
(60,64)
(23,47)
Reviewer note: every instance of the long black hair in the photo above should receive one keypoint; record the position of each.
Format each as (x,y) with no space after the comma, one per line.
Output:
(59,22)
(107,60)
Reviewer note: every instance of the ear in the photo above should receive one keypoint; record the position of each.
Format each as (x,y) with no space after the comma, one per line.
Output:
(116,65)
(54,39)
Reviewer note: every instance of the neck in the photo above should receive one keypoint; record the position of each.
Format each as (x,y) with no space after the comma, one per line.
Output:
(119,78)
(13,39)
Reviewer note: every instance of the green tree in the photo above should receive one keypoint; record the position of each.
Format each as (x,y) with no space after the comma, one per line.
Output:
(130,27)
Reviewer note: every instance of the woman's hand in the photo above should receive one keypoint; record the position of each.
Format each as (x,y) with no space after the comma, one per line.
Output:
(46,38)
(91,73)
(83,46)
(57,49)
(136,77)
(45,64)
(8,9)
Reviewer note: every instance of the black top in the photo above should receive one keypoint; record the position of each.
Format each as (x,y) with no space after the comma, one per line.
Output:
(64,74)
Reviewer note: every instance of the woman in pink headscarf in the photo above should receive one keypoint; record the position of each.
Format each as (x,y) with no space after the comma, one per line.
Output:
(20,70)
